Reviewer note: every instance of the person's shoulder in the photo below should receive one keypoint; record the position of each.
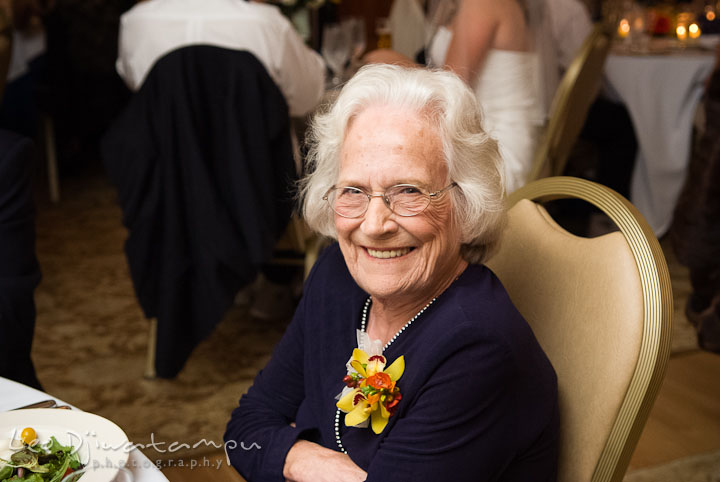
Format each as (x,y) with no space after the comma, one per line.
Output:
(480,296)
(480,313)
(267,14)
(141,9)
(191,9)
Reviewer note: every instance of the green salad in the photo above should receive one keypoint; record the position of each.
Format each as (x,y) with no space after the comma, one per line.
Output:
(49,462)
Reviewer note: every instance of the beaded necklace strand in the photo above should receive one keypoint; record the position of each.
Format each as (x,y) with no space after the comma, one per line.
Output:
(363,323)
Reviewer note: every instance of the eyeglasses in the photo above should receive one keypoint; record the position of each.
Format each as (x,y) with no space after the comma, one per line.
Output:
(402,199)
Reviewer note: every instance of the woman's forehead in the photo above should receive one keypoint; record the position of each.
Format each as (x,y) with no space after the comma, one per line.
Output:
(383,138)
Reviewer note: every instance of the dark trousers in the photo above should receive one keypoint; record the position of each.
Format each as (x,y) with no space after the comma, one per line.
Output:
(19,270)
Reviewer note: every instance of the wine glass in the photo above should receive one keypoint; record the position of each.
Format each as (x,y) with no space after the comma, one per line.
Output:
(336,49)
(356,25)
(359,41)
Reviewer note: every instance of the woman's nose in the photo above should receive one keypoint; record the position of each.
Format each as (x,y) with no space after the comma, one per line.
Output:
(378,218)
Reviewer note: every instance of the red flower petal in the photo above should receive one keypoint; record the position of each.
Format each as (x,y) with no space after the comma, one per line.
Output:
(380,380)
(359,397)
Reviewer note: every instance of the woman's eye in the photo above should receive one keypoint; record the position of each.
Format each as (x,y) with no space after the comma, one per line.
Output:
(349,191)
(409,190)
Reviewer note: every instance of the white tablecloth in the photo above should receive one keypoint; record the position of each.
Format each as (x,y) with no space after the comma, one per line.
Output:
(661,92)
(13,395)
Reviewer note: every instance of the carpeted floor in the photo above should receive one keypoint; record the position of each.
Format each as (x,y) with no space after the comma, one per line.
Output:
(90,341)
(91,336)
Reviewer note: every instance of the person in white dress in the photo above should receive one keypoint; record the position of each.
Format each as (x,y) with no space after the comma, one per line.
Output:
(490,44)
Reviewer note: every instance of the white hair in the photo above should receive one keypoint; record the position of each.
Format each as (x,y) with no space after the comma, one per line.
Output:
(441,97)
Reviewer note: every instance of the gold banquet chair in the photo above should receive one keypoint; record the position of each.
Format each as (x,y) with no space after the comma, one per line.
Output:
(601,308)
(300,240)
(570,105)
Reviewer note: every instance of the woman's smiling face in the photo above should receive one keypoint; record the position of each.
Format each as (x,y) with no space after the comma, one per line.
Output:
(390,255)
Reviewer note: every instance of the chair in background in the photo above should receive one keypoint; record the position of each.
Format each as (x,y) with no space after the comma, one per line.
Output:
(601,308)
(571,103)
(304,244)
(203,163)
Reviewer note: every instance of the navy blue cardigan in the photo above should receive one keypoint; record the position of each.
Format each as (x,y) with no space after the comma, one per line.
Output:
(479,395)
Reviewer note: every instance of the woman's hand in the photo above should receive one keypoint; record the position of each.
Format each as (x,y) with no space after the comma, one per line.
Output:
(307,461)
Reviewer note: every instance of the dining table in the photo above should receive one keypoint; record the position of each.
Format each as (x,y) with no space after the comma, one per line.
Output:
(661,85)
(14,395)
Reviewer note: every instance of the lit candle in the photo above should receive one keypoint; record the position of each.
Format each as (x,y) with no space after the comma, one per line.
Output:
(694,31)
(681,32)
(638,24)
(623,28)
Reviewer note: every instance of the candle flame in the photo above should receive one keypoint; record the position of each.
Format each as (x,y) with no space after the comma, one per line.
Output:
(694,30)
(624,28)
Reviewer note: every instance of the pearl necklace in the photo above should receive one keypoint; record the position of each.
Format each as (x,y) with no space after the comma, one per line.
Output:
(363,323)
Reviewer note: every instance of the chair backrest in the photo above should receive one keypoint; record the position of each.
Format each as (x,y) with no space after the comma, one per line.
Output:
(570,105)
(601,308)
(205,187)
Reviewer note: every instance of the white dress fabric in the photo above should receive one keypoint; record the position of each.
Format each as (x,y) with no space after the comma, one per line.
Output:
(153,28)
(507,89)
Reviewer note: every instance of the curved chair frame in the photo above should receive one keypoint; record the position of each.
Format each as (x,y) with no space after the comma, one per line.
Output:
(571,104)
(657,306)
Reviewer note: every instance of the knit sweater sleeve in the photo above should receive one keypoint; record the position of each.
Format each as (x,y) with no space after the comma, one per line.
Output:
(259,435)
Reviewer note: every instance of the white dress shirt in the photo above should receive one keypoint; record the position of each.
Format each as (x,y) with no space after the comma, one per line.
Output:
(153,28)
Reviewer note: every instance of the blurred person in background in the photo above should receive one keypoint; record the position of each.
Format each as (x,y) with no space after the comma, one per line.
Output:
(496,47)
(19,269)
(695,231)
(153,28)
(80,90)
(19,106)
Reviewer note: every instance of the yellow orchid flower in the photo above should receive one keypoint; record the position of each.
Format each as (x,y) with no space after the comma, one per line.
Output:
(375,393)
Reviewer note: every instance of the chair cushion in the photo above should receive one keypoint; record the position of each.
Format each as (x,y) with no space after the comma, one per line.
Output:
(583,300)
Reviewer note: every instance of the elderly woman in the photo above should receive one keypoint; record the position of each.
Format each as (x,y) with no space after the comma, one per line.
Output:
(405,360)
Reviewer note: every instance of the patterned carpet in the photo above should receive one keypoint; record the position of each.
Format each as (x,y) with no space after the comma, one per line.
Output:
(91,336)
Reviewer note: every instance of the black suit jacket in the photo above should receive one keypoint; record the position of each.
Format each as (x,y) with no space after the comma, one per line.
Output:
(203,164)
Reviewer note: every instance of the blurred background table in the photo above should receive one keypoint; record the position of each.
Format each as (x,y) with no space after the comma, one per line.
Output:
(661,89)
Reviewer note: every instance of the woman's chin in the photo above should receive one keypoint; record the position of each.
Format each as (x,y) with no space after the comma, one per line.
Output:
(387,282)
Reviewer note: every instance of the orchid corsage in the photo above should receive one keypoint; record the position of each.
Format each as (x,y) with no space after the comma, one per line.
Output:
(371,390)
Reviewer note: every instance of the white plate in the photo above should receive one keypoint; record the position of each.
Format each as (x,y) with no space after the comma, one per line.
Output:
(101,445)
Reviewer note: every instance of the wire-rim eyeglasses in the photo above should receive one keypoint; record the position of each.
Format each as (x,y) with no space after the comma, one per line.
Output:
(402,199)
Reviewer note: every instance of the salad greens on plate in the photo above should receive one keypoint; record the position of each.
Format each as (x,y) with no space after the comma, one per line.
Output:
(49,462)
